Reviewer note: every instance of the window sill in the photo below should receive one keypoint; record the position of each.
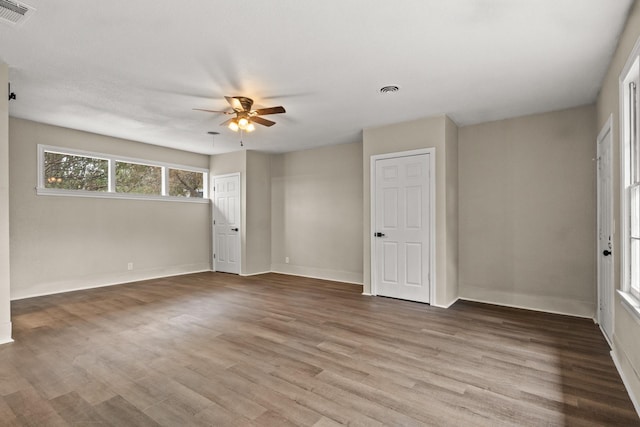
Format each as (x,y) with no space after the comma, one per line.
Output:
(126,196)
(631,304)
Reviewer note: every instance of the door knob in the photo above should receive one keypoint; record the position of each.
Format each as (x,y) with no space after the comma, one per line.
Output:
(378,234)
(234,229)
(606,252)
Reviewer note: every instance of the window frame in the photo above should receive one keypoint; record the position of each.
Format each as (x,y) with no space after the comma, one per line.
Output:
(111,193)
(630,294)
(167,182)
(128,162)
(41,162)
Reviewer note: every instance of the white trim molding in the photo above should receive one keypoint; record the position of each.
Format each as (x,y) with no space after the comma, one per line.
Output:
(5,333)
(126,196)
(632,61)
(254,274)
(432,214)
(212,191)
(625,381)
(579,310)
(631,304)
(42,190)
(604,139)
(112,279)
(318,273)
(446,305)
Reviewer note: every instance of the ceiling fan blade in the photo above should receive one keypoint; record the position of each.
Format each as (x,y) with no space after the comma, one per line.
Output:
(235,103)
(211,111)
(263,122)
(226,123)
(270,110)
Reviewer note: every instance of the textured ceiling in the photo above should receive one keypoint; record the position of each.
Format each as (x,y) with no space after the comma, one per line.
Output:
(135,69)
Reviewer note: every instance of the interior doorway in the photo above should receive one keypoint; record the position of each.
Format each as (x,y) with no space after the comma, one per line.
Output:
(226,223)
(403,225)
(605,263)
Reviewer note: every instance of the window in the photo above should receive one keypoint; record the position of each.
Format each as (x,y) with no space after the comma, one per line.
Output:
(184,183)
(629,128)
(69,172)
(138,178)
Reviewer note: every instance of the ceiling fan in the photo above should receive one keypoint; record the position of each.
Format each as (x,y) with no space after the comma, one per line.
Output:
(245,117)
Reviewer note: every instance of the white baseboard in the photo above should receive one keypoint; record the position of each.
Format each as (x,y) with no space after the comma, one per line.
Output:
(51,288)
(606,338)
(446,305)
(367,294)
(523,307)
(254,274)
(625,381)
(544,304)
(5,333)
(79,284)
(318,273)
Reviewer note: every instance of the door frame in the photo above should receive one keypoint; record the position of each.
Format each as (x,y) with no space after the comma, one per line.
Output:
(213,213)
(432,214)
(605,136)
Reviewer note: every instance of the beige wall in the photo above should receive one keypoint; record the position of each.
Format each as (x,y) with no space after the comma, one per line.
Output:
(439,133)
(527,211)
(451,193)
(235,162)
(223,164)
(61,243)
(626,339)
(5,278)
(258,212)
(255,187)
(317,212)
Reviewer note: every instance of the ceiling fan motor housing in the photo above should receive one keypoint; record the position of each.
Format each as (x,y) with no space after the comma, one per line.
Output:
(245,102)
(245,117)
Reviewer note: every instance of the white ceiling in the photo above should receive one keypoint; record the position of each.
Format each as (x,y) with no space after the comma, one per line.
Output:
(135,69)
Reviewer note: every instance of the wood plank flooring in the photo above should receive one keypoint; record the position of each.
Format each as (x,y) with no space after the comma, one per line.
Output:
(273,350)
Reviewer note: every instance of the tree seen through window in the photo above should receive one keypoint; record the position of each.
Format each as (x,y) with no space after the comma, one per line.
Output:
(69,172)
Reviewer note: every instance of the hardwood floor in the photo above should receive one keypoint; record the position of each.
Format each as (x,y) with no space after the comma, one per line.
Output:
(274,350)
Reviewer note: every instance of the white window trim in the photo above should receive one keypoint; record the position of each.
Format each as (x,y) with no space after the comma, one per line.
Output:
(41,190)
(629,301)
(631,304)
(432,215)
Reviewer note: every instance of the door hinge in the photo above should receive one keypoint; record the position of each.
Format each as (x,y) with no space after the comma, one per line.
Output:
(214,222)
(214,256)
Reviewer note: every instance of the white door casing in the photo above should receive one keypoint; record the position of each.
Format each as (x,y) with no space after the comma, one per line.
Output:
(226,223)
(403,225)
(605,263)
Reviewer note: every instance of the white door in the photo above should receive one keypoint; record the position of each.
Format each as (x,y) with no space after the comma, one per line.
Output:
(401,259)
(226,223)
(605,232)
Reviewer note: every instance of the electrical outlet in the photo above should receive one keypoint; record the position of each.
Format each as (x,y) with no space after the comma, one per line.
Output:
(286,260)
(130,266)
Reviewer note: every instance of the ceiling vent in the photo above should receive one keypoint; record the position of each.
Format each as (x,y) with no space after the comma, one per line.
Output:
(14,13)
(384,89)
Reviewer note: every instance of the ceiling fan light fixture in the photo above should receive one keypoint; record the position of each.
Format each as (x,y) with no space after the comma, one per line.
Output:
(243,122)
(245,119)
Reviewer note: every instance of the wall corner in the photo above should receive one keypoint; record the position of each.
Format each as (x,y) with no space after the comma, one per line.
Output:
(5,277)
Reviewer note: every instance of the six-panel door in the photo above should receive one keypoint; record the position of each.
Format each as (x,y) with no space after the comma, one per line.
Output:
(402,226)
(227,223)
